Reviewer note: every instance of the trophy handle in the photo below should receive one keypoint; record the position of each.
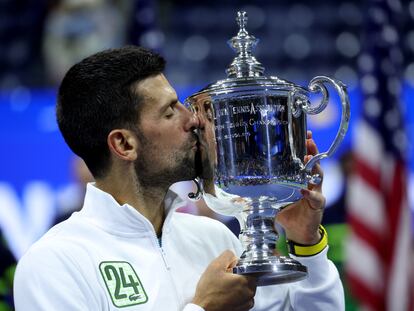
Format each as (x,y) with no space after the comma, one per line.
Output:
(317,85)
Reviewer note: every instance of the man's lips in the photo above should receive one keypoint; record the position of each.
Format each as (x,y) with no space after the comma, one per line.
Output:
(201,146)
(196,146)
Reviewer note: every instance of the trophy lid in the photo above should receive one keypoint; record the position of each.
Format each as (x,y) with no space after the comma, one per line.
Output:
(244,64)
(245,73)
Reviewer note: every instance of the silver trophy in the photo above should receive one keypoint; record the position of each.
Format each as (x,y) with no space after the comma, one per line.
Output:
(260,144)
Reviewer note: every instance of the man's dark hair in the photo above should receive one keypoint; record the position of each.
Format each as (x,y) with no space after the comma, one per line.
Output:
(97,96)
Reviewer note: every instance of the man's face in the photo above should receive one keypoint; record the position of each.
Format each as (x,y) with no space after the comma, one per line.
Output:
(167,144)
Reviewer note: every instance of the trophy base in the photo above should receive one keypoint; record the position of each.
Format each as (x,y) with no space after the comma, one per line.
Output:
(273,270)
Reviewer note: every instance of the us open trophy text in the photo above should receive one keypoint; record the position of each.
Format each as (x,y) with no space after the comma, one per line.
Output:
(260,128)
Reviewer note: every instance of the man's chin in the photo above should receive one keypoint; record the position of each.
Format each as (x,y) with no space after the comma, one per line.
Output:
(187,171)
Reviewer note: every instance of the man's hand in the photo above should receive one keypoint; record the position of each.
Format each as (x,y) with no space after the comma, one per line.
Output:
(220,290)
(301,219)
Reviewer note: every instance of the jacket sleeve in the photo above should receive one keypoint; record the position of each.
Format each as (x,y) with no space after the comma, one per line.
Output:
(192,307)
(322,289)
(45,280)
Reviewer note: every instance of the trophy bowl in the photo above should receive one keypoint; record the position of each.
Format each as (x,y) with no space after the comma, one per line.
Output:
(260,131)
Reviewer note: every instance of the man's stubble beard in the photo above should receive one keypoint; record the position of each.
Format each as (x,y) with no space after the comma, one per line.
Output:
(180,166)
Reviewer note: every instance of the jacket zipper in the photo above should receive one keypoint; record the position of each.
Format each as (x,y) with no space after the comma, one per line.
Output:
(167,266)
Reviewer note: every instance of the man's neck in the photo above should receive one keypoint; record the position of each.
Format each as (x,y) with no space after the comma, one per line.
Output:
(148,201)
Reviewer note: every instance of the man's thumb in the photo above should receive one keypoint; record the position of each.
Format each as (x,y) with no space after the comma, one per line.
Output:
(227,260)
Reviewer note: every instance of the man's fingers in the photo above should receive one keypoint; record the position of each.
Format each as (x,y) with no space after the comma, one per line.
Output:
(245,306)
(252,283)
(316,169)
(311,147)
(226,261)
(316,199)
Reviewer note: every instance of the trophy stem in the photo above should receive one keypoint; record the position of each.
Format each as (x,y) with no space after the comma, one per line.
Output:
(258,234)
(259,238)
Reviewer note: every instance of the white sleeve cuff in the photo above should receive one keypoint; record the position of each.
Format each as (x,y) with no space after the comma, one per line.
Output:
(192,307)
(316,259)
(320,268)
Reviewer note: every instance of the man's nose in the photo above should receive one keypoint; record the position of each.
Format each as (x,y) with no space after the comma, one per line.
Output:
(201,119)
(193,121)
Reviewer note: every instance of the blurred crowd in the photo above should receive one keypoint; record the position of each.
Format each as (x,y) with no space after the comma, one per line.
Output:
(41,39)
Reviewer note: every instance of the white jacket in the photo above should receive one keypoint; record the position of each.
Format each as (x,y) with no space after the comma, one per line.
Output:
(107,257)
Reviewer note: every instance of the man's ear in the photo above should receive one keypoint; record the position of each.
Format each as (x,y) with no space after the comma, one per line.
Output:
(123,144)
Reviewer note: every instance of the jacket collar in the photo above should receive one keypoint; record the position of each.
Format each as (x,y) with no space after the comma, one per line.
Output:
(102,210)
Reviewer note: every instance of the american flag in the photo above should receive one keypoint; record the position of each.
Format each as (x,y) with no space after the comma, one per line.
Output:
(379,262)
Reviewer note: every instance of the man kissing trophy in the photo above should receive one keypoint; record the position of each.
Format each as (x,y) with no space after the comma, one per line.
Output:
(259,154)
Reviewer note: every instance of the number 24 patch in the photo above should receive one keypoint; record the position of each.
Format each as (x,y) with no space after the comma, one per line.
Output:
(123,283)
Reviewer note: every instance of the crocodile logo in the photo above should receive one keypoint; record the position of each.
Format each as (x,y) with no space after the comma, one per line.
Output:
(134,297)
